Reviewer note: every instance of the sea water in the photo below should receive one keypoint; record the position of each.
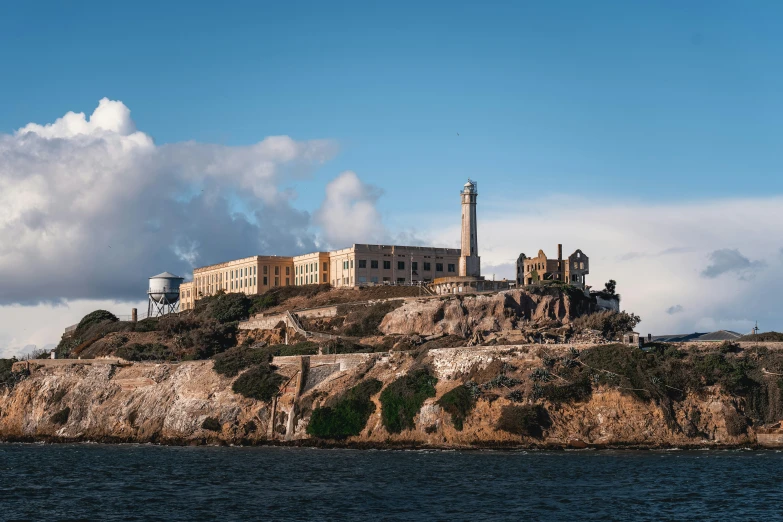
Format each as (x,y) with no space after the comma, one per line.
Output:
(146,482)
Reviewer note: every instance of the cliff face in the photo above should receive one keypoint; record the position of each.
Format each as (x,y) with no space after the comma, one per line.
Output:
(488,313)
(169,403)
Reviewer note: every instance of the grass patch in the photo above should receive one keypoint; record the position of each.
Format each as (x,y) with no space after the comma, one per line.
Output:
(233,361)
(348,416)
(303,348)
(459,402)
(403,398)
(259,382)
(611,324)
(145,352)
(528,421)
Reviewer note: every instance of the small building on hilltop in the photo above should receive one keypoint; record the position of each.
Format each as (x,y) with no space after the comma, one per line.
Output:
(540,268)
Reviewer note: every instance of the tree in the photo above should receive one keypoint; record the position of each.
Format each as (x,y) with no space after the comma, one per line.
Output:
(610,287)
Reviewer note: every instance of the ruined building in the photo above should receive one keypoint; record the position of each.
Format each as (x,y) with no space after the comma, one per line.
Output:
(536,269)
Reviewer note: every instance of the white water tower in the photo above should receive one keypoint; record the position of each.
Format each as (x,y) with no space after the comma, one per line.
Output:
(163,294)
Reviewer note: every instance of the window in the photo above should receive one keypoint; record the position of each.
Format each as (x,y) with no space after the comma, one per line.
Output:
(288,270)
(451,268)
(345,265)
(265,281)
(427,266)
(414,265)
(277,270)
(265,270)
(326,266)
(400,279)
(362,279)
(400,265)
(351,263)
(277,281)
(374,279)
(373,264)
(387,265)
(439,267)
(582,265)
(287,281)
(362,264)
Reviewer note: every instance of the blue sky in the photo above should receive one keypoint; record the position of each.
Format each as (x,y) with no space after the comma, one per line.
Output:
(656,100)
(645,133)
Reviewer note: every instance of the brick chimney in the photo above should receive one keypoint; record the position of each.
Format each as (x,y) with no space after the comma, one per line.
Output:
(560,257)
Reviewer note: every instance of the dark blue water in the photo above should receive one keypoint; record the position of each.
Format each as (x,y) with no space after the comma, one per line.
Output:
(129,482)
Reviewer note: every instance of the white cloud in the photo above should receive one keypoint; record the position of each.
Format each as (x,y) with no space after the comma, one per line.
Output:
(90,206)
(670,246)
(25,327)
(348,214)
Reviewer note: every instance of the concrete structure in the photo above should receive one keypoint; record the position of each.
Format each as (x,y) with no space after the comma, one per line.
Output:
(446,270)
(362,264)
(537,269)
(249,275)
(311,269)
(633,339)
(469,261)
(469,279)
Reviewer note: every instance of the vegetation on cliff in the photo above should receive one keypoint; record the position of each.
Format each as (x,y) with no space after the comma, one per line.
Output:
(259,382)
(349,414)
(402,399)
(458,402)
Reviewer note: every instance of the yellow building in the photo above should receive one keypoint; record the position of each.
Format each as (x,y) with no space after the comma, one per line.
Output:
(311,269)
(249,275)
(358,265)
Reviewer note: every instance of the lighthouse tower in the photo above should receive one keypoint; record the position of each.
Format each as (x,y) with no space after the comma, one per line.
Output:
(469,261)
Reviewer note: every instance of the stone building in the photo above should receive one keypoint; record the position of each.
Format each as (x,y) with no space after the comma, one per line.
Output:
(249,275)
(378,264)
(572,270)
(446,270)
(311,269)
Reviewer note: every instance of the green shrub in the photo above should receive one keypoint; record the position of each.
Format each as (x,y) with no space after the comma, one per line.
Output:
(341,345)
(146,325)
(303,348)
(61,417)
(459,402)
(211,424)
(529,421)
(578,391)
(96,317)
(403,398)
(227,308)
(611,324)
(348,416)
(259,382)
(233,361)
(9,378)
(766,337)
(145,352)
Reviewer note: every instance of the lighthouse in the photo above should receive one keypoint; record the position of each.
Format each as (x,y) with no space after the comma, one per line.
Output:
(469,261)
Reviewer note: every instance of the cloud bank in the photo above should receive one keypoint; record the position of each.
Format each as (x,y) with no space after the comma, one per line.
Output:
(683,253)
(90,206)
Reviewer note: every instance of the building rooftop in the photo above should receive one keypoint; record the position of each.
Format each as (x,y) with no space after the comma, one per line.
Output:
(720,335)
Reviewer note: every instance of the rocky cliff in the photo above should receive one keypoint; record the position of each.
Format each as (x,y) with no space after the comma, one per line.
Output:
(487,313)
(188,403)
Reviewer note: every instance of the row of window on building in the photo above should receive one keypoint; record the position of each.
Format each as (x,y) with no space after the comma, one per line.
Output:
(362,263)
